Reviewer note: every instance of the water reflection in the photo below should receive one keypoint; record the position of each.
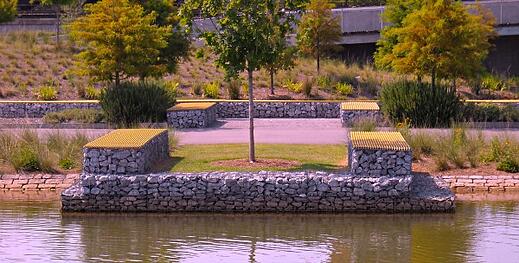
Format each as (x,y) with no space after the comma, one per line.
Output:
(477,232)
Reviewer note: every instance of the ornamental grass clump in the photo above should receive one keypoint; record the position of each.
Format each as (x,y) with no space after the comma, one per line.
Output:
(212,90)
(29,152)
(47,93)
(423,104)
(505,152)
(132,103)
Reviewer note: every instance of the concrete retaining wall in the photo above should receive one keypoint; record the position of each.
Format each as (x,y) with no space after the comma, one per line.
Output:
(261,191)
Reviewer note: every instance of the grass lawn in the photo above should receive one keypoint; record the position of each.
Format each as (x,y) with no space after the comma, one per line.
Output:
(200,158)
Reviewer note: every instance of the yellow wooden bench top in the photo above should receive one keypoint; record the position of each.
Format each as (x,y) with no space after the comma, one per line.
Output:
(360,105)
(125,139)
(392,141)
(192,106)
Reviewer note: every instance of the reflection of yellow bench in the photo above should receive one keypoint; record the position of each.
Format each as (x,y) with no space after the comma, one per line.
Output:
(358,111)
(126,151)
(192,115)
(379,154)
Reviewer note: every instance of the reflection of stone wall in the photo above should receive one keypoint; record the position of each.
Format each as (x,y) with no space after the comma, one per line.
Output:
(198,118)
(126,161)
(39,109)
(262,191)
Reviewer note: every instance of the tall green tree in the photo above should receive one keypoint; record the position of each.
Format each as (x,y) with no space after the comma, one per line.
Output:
(242,38)
(318,31)
(178,42)
(118,40)
(8,10)
(442,40)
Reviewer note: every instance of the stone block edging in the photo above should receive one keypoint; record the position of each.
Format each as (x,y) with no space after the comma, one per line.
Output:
(482,183)
(35,182)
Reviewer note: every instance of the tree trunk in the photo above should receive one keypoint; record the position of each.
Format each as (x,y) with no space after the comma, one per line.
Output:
(117,80)
(271,81)
(433,78)
(58,17)
(252,153)
(318,57)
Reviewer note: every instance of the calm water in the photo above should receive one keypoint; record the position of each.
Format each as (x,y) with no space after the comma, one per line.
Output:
(478,232)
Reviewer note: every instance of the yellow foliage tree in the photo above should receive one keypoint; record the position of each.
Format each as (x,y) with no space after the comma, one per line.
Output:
(8,10)
(119,41)
(442,40)
(319,31)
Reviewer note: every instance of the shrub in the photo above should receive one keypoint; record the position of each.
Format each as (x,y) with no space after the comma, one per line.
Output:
(307,87)
(30,154)
(422,144)
(344,89)
(424,105)
(91,93)
(47,93)
(132,103)
(295,87)
(324,82)
(212,90)
(171,89)
(197,89)
(75,115)
(492,82)
(68,149)
(502,149)
(365,124)
(489,112)
(508,165)
(233,89)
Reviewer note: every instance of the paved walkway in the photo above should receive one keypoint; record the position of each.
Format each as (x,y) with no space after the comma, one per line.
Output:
(288,131)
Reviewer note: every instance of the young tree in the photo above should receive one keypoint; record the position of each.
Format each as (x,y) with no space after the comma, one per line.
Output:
(281,56)
(318,31)
(242,39)
(442,40)
(8,10)
(118,41)
(178,41)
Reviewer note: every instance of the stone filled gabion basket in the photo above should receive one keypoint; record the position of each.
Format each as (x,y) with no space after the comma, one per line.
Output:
(356,111)
(192,115)
(379,154)
(126,151)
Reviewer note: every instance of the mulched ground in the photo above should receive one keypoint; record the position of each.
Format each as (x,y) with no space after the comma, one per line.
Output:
(260,163)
